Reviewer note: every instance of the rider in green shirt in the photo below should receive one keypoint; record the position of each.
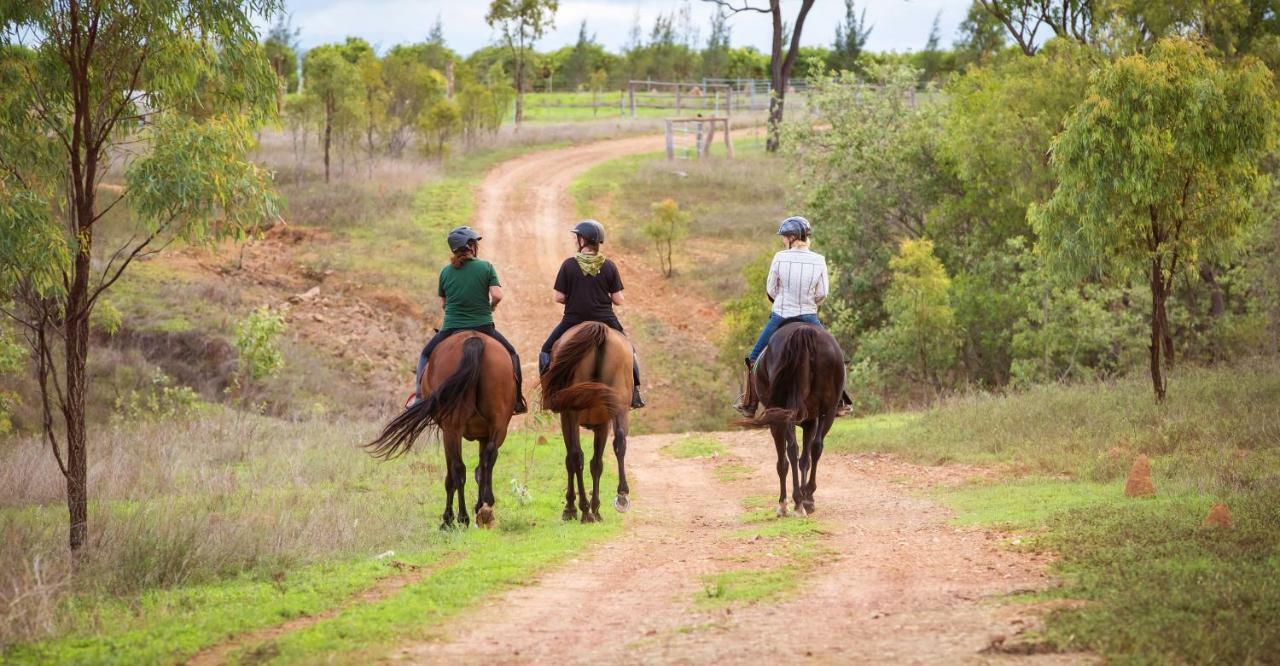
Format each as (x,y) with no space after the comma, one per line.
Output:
(469,291)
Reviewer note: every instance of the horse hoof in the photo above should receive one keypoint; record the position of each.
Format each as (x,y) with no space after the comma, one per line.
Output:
(588,518)
(622,503)
(808,507)
(569,515)
(782,510)
(800,511)
(485,517)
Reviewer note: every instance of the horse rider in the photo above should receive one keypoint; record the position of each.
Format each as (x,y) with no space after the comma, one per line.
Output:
(589,285)
(469,293)
(796,285)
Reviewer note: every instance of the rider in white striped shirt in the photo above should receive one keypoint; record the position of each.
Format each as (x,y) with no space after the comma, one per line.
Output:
(796,285)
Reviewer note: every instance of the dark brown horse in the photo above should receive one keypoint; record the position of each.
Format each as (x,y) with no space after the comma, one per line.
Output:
(590,371)
(799,380)
(469,390)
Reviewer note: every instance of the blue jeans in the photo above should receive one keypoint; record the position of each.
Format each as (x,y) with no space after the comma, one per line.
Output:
(771,326)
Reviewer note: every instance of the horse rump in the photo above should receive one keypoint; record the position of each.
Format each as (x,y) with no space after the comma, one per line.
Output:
(784,404)
(452,401)
(558,379)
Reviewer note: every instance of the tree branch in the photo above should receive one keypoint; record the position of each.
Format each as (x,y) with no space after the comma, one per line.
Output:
(737,10)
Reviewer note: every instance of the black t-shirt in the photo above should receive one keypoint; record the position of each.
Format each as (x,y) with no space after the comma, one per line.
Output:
(588,297)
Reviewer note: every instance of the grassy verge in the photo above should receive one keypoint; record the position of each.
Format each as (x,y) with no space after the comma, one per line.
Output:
(793,546)
(254,521)
(1162,587)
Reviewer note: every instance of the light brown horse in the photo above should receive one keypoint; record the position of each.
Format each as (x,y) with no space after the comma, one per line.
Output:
(590,372)
(468,392)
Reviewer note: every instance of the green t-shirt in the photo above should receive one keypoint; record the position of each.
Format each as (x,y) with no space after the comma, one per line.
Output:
(466,294)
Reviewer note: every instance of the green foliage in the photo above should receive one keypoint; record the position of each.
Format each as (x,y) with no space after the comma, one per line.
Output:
(667,225)
(745,315)
(257,341)
(163,401)
(1156,170)
(866,170)
(437,125)
(919,337)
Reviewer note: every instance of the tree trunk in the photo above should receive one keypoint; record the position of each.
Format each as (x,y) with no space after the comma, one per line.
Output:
(328,135)
(1159,330)
(777,80)
(77,353)
(519,90)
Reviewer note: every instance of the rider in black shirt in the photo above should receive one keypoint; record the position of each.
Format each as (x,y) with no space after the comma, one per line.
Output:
(589,285)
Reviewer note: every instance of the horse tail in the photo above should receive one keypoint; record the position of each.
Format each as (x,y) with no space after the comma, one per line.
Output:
(451,401)
(789,386)
(586,396)
(558,392)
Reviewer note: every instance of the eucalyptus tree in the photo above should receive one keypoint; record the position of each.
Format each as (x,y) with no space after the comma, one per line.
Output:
(522,23)
(783,52)
(166,91)
(1157,168)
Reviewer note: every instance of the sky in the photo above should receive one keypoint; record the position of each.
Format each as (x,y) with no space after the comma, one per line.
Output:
(899,25)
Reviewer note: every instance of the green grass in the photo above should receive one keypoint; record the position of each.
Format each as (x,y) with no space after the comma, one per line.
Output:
(222,536)
(793,546)
(695,447)
(576,106)
(1160,587)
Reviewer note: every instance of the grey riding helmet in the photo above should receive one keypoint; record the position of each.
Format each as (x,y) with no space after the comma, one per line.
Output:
(590,230)
(460,237)
(795,226)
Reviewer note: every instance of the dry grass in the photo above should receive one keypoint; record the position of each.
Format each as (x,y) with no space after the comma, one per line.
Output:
(193,500)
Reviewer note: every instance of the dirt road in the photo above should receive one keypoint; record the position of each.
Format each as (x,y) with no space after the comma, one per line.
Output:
(525,212)
(899,585)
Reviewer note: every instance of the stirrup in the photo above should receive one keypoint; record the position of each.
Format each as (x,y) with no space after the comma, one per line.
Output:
(637,401)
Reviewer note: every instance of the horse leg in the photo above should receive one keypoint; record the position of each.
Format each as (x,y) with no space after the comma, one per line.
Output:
(572,463)
(779,443)
(793,456)
(458,470)
(808,462)
(488,458)
(819,440)
(623,501)
(597,468)
(447,520)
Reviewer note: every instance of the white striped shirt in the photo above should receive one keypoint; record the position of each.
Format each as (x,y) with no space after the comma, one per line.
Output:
(797,282)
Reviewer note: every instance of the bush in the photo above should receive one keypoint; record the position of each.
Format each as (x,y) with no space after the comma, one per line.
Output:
(256,340)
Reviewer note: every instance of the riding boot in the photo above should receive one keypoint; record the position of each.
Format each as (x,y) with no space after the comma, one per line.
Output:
(637,401)
(544,362)
(845,406)
(520,407)
(747,402)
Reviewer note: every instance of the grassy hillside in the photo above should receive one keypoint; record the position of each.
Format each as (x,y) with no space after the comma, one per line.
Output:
(1160,586)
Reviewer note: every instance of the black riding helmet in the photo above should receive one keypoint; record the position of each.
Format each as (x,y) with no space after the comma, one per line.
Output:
(590,231)
(460,237)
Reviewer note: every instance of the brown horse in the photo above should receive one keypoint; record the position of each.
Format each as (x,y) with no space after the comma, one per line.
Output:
(469,391)
(799,379)
(589,374)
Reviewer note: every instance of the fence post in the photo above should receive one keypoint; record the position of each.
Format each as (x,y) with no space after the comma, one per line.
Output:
(631,91)
(728,143)
(671,144)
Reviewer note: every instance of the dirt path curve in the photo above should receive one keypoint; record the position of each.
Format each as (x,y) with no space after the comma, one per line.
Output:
(902,585)
(524,210)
